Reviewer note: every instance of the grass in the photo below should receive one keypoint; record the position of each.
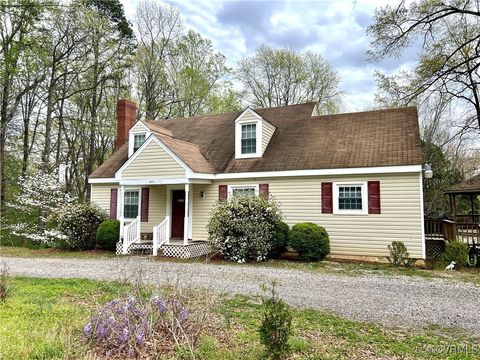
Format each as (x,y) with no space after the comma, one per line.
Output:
(53,253)
(44,318)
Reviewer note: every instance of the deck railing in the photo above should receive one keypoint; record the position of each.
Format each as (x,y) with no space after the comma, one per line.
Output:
(441,229)
(467,219)
(161,234)
(131,234)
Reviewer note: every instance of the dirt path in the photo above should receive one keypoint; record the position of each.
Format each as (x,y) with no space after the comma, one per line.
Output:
(387,300)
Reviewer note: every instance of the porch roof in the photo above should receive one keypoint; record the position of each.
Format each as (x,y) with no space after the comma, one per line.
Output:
(468,187)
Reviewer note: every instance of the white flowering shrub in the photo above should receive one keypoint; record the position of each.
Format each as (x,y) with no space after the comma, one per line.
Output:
(39,199)
(79,223)
(243,228)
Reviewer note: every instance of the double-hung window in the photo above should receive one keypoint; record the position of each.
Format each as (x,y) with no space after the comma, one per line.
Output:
(249,139)
(131,204)
(138,140)
(350,198)
(242,190)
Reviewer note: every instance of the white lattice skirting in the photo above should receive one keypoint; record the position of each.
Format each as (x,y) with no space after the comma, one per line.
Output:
(187,251)
(179,251)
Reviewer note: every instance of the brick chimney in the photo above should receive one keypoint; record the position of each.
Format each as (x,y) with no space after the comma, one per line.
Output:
(126,115)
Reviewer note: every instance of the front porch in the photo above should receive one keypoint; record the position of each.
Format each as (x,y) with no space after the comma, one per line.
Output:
(162,222)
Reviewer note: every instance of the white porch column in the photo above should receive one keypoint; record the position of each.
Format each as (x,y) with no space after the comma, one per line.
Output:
(120,210)
(186,218)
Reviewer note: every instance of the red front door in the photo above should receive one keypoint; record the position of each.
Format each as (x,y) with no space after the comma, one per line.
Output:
(178,213)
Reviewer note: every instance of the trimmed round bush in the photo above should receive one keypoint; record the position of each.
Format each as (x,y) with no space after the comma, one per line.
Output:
(79,223)
(310,241)
(456,251)
(108,233)
(242,228)
(280,240)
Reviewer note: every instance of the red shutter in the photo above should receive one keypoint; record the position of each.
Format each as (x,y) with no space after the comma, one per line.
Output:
(374,197)
(144,206)
(113,203)
(327,198)
(222,192)
(263,190)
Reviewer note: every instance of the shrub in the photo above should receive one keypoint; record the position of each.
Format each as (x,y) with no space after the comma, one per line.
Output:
(131,326)
(276,325)
(79,223)
(108,233)
(242,228)
(398,254)
(457,251)
(310,241)
(281,238)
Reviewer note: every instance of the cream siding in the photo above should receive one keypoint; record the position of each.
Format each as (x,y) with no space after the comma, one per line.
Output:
(153,163)
(268,130)
(156,208)
(360,235)
(100,195)
(248,116)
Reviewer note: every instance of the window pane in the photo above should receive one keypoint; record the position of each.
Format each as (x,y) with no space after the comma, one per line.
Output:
(350,198)
(138,140)
(249,139)
(250,191)
(130,208)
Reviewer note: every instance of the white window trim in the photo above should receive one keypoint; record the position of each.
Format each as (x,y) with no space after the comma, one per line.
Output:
(238,135)
(139,190)
(230,188)
(138,129)
(363,185)
(133,139)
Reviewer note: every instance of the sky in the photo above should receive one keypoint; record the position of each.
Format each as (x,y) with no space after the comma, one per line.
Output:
(334,29)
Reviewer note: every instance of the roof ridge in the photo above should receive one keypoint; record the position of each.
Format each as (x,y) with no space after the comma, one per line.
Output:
(386,110)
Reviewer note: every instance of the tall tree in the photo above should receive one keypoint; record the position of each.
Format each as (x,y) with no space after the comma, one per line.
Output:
(197,71)
(159,26)
(448,36)
(17,20)
(275,77)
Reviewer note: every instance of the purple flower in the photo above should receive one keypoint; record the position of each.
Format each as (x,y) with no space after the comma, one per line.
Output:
(162,306)
(87,329)
(123,336)
(183,314)
(141,340)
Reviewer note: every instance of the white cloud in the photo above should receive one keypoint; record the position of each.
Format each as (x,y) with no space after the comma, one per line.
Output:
(335,29)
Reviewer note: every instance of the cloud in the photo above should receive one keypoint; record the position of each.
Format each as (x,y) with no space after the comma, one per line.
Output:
(334,29)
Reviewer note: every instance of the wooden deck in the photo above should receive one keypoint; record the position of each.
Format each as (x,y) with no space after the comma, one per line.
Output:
(463,230)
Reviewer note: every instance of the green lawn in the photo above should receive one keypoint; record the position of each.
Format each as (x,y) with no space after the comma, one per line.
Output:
(43,319)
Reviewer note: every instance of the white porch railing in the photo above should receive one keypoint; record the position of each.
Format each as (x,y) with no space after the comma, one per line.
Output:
(131,234)
(161,234)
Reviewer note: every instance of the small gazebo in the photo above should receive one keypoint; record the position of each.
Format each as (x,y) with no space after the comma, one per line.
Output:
(471,189)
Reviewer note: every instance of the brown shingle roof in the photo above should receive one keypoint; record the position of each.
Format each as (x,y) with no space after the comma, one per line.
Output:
(468,186)
(364,139)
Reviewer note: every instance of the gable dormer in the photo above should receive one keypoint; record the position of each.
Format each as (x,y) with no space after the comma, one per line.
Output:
(252,135)
(137,136)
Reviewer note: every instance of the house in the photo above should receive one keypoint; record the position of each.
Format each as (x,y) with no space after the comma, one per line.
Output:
(358,174)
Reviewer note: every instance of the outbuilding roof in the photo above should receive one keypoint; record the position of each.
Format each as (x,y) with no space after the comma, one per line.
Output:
(468,186)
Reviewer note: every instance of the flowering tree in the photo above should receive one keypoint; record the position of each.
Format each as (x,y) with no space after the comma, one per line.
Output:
(41,196)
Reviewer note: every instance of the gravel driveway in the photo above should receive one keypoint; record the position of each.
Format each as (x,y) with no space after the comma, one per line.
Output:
(381,299)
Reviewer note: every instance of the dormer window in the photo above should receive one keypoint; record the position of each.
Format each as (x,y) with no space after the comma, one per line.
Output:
(249,139)
(138,140)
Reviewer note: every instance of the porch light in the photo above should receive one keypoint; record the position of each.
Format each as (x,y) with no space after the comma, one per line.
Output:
(427,170)
(202,194)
